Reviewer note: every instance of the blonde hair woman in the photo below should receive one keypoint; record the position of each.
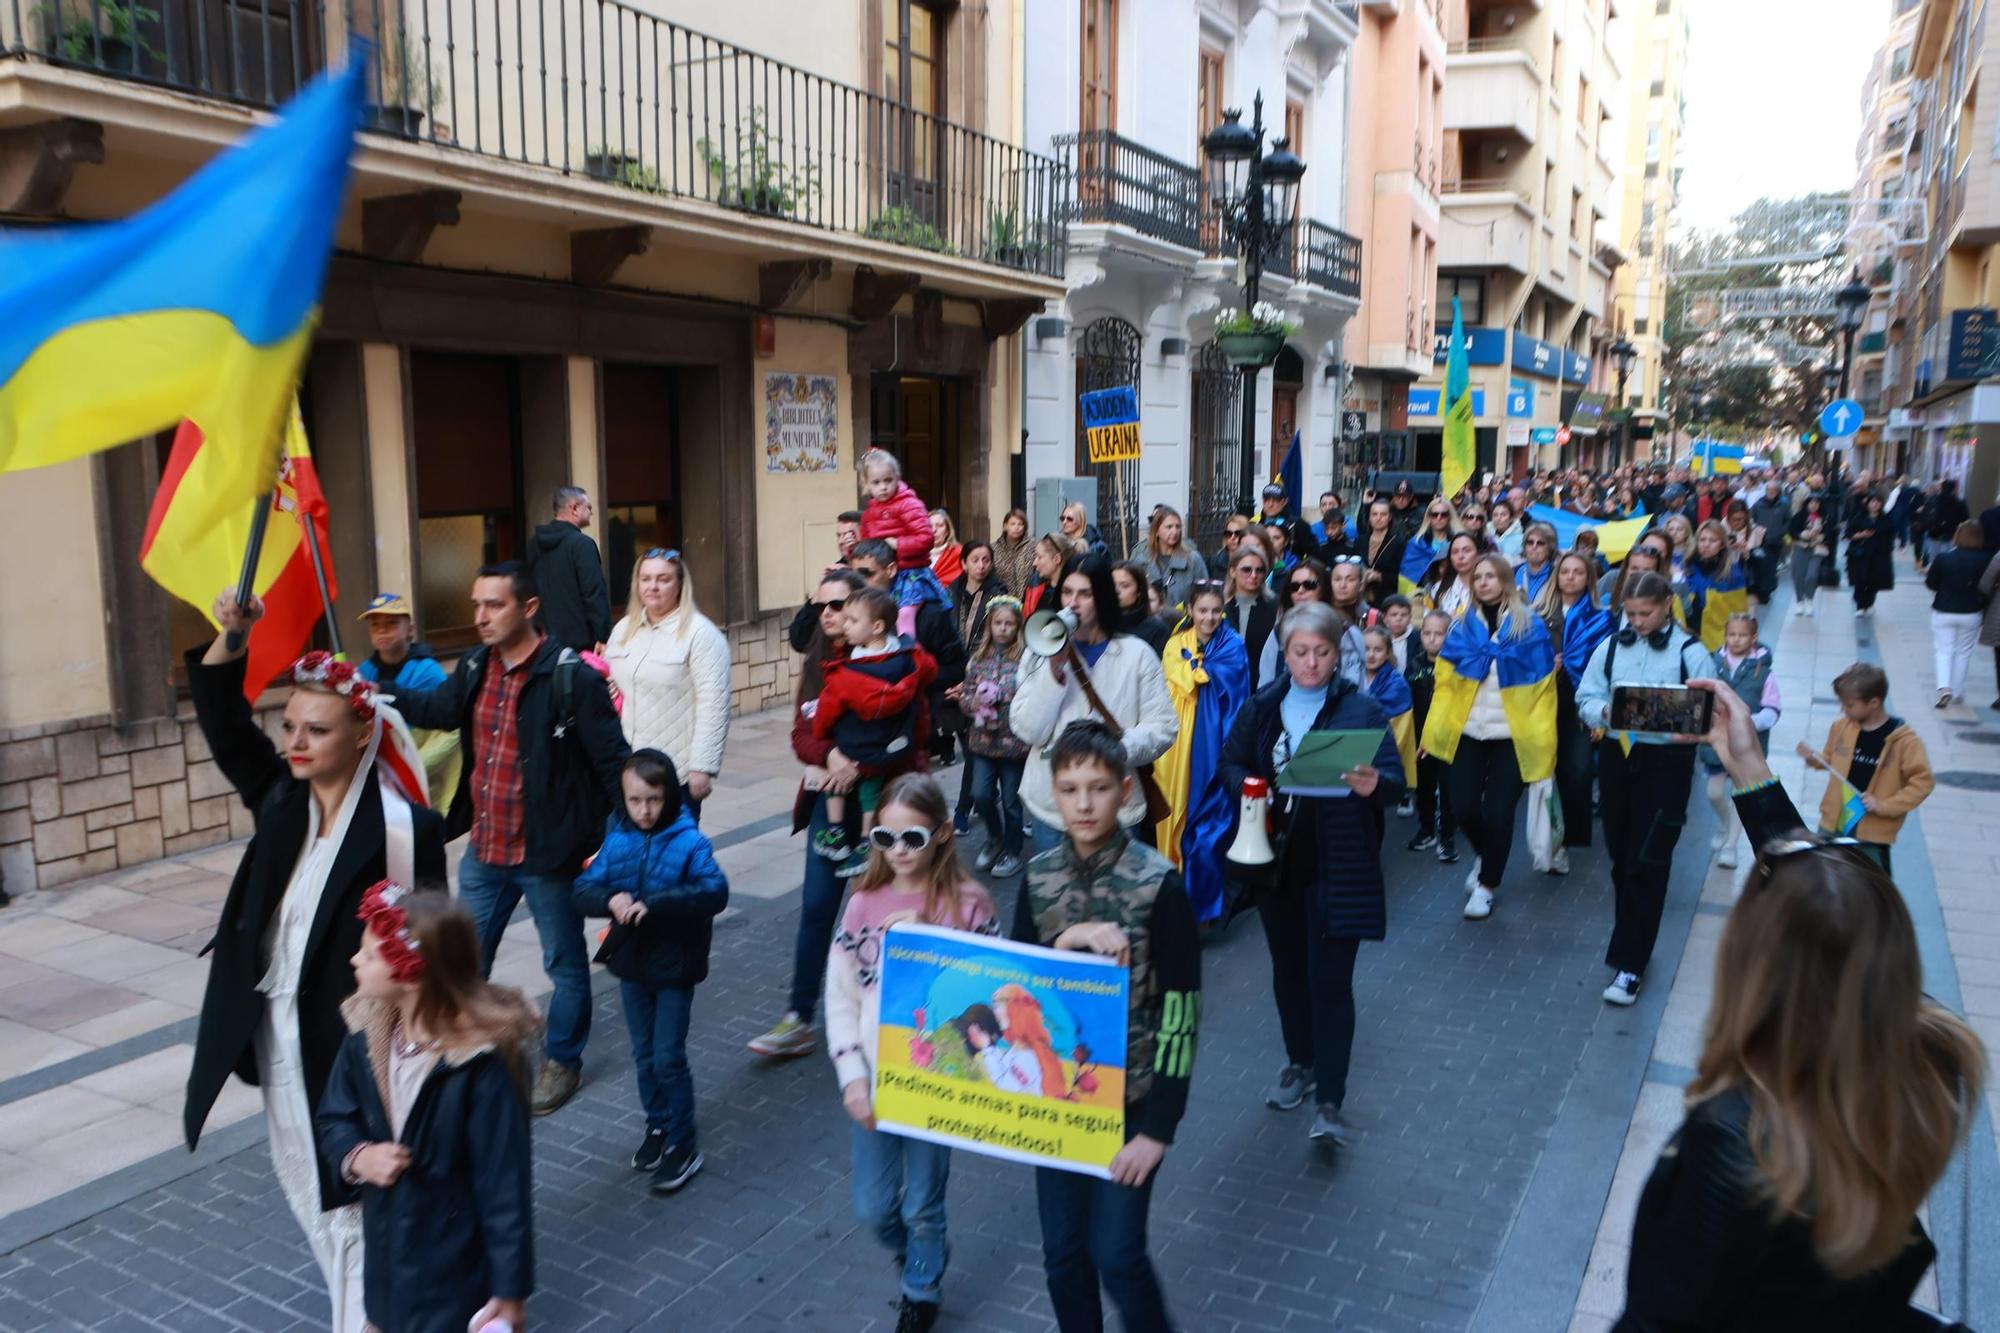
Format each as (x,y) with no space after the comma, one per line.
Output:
(1828,1100)
(671,666)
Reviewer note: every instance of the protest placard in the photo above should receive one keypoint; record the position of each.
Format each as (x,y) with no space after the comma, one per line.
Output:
(1006,1049)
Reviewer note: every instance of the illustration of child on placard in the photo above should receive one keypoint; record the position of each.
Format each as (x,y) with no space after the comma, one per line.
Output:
(1008,1067)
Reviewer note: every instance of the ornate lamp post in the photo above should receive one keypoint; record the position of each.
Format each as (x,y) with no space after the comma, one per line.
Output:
(1622,356)
(1851,302)
(1255,195)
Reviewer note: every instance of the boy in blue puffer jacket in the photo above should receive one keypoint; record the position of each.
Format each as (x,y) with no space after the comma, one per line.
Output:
(656,878)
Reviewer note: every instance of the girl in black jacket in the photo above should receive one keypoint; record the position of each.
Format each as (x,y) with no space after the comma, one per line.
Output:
(427,1111)
(1327,896)
(1829,1098)
(1958,610)
(1870,554)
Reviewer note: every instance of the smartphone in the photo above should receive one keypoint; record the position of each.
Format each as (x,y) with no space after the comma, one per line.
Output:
(1670,709)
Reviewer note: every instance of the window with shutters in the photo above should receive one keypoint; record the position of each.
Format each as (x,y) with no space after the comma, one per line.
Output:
(1099,110)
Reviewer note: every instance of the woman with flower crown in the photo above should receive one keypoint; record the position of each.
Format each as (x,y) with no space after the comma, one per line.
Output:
(341,806)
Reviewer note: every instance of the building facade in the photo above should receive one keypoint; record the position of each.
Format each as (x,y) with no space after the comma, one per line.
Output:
(694,269)
(1530,172)
(1121,92)
(1649,186)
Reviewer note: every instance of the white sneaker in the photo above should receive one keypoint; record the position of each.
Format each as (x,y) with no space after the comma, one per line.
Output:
(1480,905)
(1472,876)
(1726,858)
(1559,863)
(1623,990)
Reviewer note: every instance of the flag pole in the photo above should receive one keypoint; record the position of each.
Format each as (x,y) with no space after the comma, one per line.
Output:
(311,532)
(246,583)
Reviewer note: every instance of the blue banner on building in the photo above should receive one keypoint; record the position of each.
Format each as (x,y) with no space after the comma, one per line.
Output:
(1425,402)
(1975,338)
(1483,347)
(1537,357)
(1520,402)
(1575,367)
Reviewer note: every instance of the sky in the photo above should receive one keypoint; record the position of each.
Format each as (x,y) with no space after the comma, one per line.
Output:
(1773,99)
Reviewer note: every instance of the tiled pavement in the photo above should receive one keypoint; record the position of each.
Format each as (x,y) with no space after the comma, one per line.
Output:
(1485,1069)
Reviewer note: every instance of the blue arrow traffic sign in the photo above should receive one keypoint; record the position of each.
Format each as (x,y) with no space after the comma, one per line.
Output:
(1840,417)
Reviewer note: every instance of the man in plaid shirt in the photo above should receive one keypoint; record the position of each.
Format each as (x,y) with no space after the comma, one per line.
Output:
(543,753)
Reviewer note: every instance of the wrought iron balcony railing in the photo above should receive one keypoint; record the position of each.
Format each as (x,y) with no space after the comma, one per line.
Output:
(1332,259)
(593,88)
(1114,180)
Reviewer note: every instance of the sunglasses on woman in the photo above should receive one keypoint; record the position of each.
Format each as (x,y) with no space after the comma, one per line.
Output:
(837,604)
(1303,585)
(662,553)
(914,838)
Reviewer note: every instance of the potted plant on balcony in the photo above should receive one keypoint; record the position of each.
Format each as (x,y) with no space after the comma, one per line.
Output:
(1252,337)
(406,88)
(109,45)
(1005,239)
(621,169)
(756,179)
(903,225)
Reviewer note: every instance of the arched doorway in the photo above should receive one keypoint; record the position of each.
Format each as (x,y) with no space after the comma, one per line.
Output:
(1215,454)
(1288,377)
(1107,356)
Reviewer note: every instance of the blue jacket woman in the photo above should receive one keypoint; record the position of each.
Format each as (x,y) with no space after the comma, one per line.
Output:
(672,870)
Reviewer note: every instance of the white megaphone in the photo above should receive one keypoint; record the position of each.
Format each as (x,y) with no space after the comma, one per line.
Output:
(1252,846)
(1048,632)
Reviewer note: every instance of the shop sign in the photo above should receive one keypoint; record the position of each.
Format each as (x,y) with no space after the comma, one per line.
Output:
(1111,424)
(801,423)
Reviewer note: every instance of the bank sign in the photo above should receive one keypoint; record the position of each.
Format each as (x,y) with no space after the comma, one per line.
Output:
(1549,361)
(1483,347)
(1425,402)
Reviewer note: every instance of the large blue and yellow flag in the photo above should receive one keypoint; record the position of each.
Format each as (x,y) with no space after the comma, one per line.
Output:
(1614,537)
(1419,554)
(1388,688)
(1713,458)
(1715,599)
(1458,435)
(199,308)
(1209,684)
(1527,667)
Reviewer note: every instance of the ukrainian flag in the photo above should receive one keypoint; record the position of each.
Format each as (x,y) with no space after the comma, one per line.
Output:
(1419,554)
(1713,458)
(1851,809)
(201,307)
(1389,689)
(1527,667)
(1614,538)
(1717,599)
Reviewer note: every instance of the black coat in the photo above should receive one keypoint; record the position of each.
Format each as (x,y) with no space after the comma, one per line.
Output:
(937,634)
(1954,577)
(1387,566)
(569,576)
(1946,513)
(457,1228)
(231,1007)
(1263,619)
(1871,559)
(1344,869)
(571,782)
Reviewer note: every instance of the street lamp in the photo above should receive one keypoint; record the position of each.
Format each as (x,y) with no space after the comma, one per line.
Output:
(1851,302)
(1622,355)
(1255,195)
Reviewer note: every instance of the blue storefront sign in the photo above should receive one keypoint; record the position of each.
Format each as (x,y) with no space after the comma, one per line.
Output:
(1542,435)
(1575,367)
(1537,357)
(1483,347)
(1425,402)
(1975,337)
(1520,402)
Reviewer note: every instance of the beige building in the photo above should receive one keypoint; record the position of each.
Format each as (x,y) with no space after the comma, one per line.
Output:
(1531,152)
(1657,47)
(692,270)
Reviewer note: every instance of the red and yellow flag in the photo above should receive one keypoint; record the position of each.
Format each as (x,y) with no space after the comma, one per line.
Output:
(194,558)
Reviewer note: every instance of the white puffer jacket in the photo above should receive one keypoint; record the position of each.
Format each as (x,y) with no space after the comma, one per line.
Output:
(1130,681)
(675,679)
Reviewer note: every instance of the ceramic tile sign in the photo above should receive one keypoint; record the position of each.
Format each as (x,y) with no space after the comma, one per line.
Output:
(801,424)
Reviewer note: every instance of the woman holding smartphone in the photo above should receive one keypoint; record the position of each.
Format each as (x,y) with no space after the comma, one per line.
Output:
(1643,793)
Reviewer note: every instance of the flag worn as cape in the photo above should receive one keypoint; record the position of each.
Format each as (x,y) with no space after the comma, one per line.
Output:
(1527,667)
(194,558)
(201,307)
(1419,554)
(1614,538)
(1585,627)
(1392,691)
(1208,686)
(1458,434)
(1715,600)
(1532,582)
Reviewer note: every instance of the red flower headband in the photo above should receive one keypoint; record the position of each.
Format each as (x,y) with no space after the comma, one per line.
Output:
(382,911)
(324,670)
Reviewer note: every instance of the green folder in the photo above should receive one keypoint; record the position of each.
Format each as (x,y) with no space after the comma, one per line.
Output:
(1323,756)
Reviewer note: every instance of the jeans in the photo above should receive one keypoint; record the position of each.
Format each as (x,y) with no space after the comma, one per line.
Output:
(1643,798)
(492,893)
(996,793)
(819,908)
(1486,792)
(1041,837)
(1095,1230)
(658,1022)
(899,1188)
(1954,634)
(1312,978)
(1805,574)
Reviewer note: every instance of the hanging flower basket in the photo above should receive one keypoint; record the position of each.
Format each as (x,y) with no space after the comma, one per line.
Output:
(1250,349)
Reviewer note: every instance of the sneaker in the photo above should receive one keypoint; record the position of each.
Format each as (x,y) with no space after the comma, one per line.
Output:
(1295,1084)
(1328,1127)
(1406,808)
(1559,863)
(677,1168)
(1423,841)
(1623,990)
(555,1085)
(1726,858)
(961,823)
(1447,852)
(855,863)
(1007,866)
(650,1149)
(916,1316)
(1479,905)
(792,1036)
(1472,876)
(1943,699)
(831,843)
(984,858)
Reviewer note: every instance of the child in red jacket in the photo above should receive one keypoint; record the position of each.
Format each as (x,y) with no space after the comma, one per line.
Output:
(897,515)
(872,707)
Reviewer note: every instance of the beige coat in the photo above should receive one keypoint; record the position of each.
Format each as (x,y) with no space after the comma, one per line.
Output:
(1901,783)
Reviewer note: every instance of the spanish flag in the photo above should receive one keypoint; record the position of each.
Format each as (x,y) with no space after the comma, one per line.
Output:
(199,308)
(194,559)
(1527,667)
(1716,599)
(1388,688)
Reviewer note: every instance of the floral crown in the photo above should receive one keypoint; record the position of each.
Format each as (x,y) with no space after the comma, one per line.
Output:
(323,669)
(382,912)
(994,604)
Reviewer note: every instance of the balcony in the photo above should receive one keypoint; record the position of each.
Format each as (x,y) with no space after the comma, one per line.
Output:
(601,91)
(1487,223)
(1494,84)
(1331,259)
(1116,182)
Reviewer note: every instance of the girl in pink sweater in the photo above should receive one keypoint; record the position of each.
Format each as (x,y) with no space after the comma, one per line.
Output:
(913,875)
(895,514)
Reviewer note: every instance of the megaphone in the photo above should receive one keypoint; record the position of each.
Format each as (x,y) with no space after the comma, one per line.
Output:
(1048,632)
(1252,846)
